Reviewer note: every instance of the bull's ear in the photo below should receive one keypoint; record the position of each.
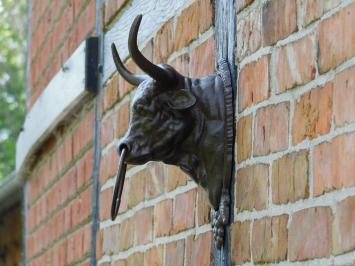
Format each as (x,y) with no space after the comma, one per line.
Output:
(180,99)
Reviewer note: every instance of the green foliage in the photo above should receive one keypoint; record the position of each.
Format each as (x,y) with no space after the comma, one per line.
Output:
(13,29)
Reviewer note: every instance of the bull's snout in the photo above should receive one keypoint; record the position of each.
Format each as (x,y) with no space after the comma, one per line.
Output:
(136,152)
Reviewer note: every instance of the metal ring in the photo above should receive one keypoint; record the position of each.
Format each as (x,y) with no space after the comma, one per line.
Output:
(120,177)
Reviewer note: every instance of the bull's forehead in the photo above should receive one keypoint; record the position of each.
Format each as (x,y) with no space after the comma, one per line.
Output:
(145,91)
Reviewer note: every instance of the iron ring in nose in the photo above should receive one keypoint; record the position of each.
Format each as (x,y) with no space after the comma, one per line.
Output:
(120,177)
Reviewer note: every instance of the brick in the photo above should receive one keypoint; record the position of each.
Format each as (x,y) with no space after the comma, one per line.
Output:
(111,238)
(176,177)
(202,59)
(290,178)
(195,19)
(111,93)
(154,256)
(154,186)
(198,250)
(313,114)
(203,208)
(344,226)
(135,259)
(123,86)
(253,83)
(249,33)
(311,10)
(105,203)
(336,46)
(240,242)
(143,226)
(174,254)
(333,165)
(107,131)
(122,120)
(244,138)
(252,188)
(164,42)
(108,164)
(181,64)
(137,188)
(269,239)
(310,234)
(279,19)
(295,64)
(344,97)
(184,211)
(271,129)
(111,8)
(163,217)
(126,234)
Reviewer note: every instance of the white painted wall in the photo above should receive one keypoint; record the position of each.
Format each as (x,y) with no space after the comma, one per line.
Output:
(155,14)
(61,95)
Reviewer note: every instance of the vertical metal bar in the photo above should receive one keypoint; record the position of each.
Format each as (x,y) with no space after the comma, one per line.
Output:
(226,21)
(97,149)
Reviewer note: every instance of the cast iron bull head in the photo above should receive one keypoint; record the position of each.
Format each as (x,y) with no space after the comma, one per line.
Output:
(180,121)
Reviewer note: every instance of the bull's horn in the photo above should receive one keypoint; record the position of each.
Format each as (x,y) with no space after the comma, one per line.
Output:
(134,79)
(157,73)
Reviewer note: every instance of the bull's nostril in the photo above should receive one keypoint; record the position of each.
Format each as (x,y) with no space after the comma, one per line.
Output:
(123,145)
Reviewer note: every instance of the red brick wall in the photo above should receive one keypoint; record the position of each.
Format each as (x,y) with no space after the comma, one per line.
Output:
(295,196)
(11,244)
(60,194)
(295,137)
(164,217)
(58,27)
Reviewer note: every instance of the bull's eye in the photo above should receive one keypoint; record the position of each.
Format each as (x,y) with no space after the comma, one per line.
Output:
(139,108)
(164,116)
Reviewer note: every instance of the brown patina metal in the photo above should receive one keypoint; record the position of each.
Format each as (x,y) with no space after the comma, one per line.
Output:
(180,121)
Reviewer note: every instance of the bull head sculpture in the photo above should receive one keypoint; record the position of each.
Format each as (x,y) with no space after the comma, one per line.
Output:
(180,121)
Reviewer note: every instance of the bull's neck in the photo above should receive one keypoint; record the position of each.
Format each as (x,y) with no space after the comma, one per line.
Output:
(199,149)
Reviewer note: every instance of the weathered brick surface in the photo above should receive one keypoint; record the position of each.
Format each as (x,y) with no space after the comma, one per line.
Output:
(269,239)
(154,256)
(199,250)
(111,8)
(252,188)
(164,216)
(333,166)
(55,38)
(279,19)
(244,138)
(183,216)
(253,83)
(310,234)
(249,33)
(202,59)
(344,97)
(271,129)
(295,64)
(344,226)
(311,10)
(196,19)
(290,178)
(331,52)
(174,253)
(313,114)
(241,242)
